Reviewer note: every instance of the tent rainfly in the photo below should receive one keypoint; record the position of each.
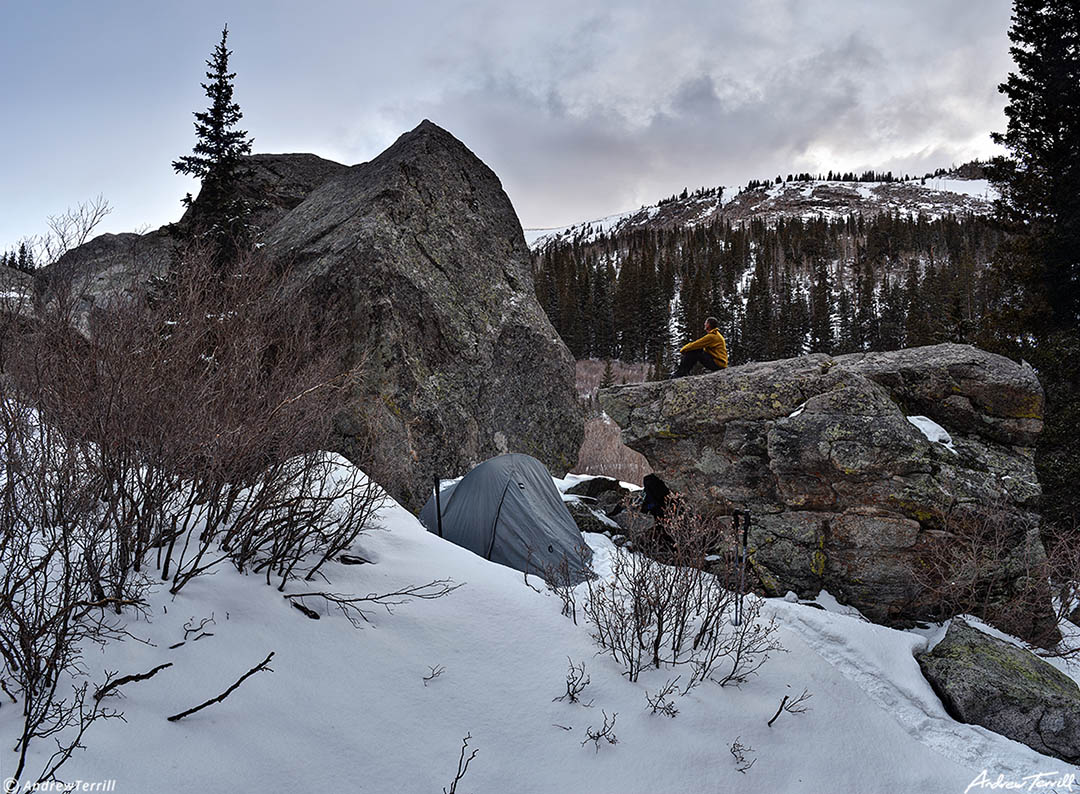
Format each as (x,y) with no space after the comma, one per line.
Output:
(509,511)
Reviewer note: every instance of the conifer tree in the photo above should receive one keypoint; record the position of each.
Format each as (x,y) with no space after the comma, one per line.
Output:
(821,331)
(1040,187)
(220,213)
(607,380)
(25,261)
(1040,180)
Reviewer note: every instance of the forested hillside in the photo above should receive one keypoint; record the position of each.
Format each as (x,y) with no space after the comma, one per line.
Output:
(780,287)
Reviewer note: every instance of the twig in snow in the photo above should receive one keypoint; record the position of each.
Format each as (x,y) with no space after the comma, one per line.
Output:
(308,611)
(576,681)
(190,627)
(796,706)
(739,751)
(110,685)
(257,668)
(350,605)
(606,732)
(660,703)
(436,671)
(462,766)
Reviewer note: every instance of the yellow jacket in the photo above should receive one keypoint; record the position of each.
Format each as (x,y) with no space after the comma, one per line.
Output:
(713,344)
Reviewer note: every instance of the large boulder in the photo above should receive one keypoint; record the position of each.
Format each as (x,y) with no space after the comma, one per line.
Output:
(459,361)
(992,683)
(847,492)
(425,250)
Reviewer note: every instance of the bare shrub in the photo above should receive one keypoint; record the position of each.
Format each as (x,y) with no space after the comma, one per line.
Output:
(69,230)
(563,579)
(184,429)
(204,406)
(991,563)
(576,681)
(661,702)
(661,605)
(51,602)
(605,733)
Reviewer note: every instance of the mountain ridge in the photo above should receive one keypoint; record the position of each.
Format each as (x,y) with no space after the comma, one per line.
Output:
(831,199)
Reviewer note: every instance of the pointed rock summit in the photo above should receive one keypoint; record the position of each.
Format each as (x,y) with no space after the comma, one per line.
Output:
(460,362)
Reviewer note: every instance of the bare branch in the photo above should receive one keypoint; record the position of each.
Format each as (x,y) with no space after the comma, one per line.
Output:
(463,765)
(110,685)
(739,752)
(350,605)
(604,733)
(257,668)
(576,681)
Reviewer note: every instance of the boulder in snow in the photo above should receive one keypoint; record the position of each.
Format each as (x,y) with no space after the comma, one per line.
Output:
(1006,689)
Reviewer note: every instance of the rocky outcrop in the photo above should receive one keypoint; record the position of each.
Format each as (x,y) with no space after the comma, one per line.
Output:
(460,362)
(112,265)
(605,493)
(599,501)
(275,184)
(985,681)
(848,493)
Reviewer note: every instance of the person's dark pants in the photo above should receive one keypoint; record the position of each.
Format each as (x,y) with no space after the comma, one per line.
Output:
(692,357)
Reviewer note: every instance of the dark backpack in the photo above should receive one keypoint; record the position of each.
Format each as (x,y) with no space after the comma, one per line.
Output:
(655,497)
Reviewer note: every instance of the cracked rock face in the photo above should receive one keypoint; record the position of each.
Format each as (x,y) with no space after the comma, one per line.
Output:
(846,492)
(1006,689)
(460,362)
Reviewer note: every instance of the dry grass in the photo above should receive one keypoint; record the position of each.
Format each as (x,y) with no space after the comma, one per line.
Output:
(602,452)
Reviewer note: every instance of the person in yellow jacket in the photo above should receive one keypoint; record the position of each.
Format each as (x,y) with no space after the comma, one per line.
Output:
(710,351)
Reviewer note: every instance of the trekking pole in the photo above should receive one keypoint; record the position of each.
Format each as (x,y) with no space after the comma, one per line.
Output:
(745,516)
(438,504)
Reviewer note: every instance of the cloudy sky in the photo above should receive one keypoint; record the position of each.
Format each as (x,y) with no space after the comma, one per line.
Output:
(583,107)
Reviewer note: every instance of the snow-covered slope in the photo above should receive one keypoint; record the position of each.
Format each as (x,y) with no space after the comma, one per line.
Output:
(932,197)
(348,710)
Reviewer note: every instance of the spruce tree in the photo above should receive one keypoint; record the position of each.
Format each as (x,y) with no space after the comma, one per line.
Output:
(220,214)
(25,262)
(1040,188)
(1040,180)
(608,378)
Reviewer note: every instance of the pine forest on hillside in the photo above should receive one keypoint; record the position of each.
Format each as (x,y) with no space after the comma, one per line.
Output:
(779,289)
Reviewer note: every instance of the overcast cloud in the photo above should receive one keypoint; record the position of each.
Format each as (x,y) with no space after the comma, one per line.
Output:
(582,108)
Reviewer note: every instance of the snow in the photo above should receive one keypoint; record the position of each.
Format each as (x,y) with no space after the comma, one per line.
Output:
(347,709)
(935,433)
(976,188)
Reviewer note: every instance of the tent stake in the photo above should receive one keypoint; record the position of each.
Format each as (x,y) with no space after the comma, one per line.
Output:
(438,504)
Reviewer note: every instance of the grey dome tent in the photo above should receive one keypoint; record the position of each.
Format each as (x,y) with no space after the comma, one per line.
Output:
(509,511)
